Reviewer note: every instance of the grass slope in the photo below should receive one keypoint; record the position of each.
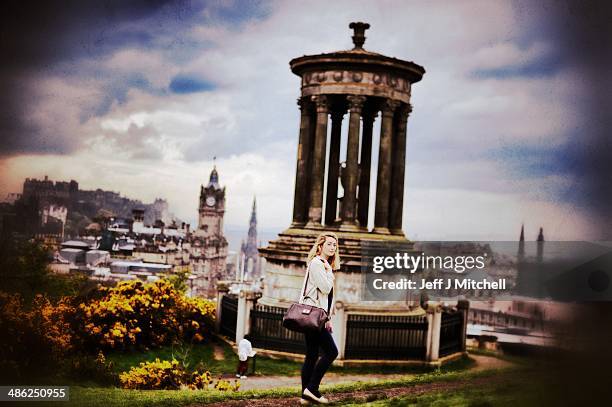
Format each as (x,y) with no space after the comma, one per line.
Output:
(115,397)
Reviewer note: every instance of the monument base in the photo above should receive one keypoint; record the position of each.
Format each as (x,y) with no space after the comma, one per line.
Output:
(286,266)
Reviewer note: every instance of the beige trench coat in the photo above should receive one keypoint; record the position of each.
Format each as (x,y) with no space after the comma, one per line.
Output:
(320,283)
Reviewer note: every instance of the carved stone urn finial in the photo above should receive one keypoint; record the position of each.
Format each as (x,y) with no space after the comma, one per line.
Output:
(359,33)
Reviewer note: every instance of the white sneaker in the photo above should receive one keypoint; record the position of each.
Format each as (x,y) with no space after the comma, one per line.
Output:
(308,395)
(238,376)
(243,377)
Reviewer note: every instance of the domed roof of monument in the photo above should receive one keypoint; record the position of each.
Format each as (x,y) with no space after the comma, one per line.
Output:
(357,57)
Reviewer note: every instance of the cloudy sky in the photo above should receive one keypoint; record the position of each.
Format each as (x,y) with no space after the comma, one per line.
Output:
(509,122)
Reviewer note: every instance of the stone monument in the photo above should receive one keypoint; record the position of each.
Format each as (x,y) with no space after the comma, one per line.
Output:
(359,84)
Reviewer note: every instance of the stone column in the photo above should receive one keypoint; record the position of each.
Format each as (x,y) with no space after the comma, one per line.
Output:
(241,317)
(434,324)
(222,291)
(313,131)
(383,183)
(349,201)
(364,168)
(339,332)
(398,168)
(251,300)
(464,307)
(315,211)
(300,199)
(331,201)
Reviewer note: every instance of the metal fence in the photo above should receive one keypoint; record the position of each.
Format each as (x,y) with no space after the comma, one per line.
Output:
(229,316)
(385,337)
(267,331)
(391,337)
(451,333)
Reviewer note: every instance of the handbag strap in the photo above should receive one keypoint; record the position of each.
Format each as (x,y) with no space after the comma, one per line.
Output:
(306,282)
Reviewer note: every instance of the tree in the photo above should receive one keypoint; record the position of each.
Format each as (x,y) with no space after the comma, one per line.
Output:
(24,270)
(23,267)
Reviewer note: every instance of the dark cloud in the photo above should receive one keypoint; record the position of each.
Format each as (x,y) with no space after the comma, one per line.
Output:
(42,33)
(50,38)
(116,90)
(528,161)
(13,130)
(71,39)
(26,126)
(238,12)
(546,66)
(581,32)
(184,83)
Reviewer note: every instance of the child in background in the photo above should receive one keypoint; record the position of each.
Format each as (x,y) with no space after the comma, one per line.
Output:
(245,351)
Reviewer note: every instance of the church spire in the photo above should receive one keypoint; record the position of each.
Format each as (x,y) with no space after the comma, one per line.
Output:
(251,266)
(521,247)
(540,245)
(254,212)
(252,240)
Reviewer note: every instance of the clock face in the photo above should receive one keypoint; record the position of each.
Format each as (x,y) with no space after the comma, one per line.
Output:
(210,201)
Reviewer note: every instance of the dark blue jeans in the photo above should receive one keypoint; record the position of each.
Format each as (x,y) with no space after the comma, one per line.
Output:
(314,367)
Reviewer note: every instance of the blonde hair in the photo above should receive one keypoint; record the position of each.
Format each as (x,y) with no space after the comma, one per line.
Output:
(334,261)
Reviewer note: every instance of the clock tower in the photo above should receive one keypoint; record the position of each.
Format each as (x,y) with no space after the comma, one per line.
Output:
(211,208)
(207,244)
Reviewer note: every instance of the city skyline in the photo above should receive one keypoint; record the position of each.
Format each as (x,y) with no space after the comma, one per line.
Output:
(496,138)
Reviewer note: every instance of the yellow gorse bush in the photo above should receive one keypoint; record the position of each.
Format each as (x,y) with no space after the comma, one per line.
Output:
(34,335)
(53,323)
(226,385)
(131,314)
(136,314)
(165,375)
(43,320)
(170,375)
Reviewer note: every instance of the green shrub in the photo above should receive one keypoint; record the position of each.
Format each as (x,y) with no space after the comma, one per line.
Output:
(96,368)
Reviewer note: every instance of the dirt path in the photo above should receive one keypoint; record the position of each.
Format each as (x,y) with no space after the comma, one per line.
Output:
(489,362)
(270,382)
(367,395)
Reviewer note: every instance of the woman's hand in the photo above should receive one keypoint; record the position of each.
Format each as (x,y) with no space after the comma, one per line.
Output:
(328,326)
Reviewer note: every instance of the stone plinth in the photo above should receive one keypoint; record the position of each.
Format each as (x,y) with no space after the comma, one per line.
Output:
(286,267)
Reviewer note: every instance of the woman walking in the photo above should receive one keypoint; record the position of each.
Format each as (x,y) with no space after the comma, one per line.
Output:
(318,289)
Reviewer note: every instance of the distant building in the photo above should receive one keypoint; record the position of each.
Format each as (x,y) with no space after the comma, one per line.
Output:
(84,208)
(8,218)
(49,191)
(11,197)
(42,209)
(122,248)
(53,219)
